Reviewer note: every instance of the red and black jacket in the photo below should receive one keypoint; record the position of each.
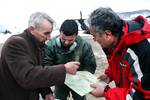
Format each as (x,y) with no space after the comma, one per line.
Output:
(129,64)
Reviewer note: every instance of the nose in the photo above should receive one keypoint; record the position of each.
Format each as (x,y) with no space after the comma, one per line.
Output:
(66,42)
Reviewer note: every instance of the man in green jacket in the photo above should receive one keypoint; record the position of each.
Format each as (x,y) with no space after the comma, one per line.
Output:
(68,46)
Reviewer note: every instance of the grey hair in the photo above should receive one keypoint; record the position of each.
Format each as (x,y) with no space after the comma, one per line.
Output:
(36,19)
(103,19)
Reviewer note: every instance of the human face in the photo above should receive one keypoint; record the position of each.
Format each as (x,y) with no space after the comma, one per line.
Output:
(67,40)
(43,33)
(105,39)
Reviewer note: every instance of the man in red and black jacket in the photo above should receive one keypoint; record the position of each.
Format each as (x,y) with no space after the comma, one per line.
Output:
(127,46)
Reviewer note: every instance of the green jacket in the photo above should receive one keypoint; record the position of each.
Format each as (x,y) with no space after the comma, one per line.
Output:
(82,52)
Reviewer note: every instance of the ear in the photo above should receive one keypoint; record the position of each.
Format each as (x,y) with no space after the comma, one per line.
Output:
(108,34)
(31,28)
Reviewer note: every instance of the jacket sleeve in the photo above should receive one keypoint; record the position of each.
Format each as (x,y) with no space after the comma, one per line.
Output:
(23,68)
(116,94)
(88,61)
(131,93)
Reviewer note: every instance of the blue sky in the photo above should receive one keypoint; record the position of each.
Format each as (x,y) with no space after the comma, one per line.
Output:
(15,13)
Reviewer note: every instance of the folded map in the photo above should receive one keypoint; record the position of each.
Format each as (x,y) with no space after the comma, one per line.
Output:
(80,83)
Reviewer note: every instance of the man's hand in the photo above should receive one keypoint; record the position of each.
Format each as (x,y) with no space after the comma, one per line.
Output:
(71,67)
(98,90)
(104,78)
(49,97)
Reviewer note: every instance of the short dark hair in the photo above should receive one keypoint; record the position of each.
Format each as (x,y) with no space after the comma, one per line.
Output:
(69,27)
(103,19)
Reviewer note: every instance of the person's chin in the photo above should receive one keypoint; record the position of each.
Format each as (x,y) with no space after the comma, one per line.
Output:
(66,46)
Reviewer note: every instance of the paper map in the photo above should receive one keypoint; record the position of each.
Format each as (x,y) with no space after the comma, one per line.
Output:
(80,82)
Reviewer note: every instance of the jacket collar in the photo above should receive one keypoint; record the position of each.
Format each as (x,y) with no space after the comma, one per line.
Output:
(36,43)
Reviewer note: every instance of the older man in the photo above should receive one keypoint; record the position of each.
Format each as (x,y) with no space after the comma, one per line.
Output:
(22,75)
(127,46)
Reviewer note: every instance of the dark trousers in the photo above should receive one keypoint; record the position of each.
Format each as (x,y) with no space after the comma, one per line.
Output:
(62,91)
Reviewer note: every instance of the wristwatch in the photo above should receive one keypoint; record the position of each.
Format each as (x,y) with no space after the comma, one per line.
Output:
(106,88)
